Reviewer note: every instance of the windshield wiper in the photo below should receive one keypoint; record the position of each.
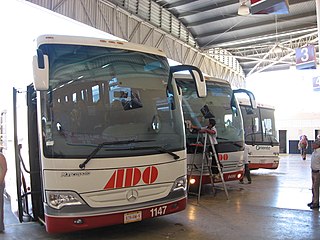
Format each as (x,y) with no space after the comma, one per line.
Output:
(234,143)
(101,145)
(159,149)
(237,144)
(163,150)
(221,138)
(271,141)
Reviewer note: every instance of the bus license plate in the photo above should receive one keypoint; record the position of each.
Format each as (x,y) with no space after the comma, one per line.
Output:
(133,217)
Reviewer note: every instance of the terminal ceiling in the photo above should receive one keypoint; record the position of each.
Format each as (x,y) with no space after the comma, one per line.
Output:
(258,42)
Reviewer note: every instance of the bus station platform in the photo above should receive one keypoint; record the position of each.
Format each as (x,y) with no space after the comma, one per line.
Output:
(274,206)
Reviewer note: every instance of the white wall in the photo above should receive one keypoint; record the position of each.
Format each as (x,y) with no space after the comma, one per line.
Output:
(298,124)
(296,103)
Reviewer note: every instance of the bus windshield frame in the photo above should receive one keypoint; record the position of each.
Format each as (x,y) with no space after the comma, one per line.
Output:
(100,94)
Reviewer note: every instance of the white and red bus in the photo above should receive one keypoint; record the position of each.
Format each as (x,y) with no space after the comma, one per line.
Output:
(260,135)
(230,135)
(96,137)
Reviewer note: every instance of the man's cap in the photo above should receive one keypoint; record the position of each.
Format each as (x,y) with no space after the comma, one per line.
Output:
(317,142)
(212,121)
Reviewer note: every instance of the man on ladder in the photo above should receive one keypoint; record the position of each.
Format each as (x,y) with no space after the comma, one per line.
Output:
(209,138)
(212,134)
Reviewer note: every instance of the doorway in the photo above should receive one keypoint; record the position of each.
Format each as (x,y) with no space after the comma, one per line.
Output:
(283,141)
(316,133)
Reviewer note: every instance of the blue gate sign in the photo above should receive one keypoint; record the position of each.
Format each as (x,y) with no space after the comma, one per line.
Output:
(316,83)
(306,58)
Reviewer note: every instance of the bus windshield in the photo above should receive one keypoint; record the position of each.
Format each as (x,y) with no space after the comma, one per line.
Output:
(222,105)
(107,95)
(259,125)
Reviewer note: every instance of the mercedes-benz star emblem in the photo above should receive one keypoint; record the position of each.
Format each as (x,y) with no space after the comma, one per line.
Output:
(132,195)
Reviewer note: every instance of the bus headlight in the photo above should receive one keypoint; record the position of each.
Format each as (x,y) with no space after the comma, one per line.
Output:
(58,200)
(180,183)
(192,181)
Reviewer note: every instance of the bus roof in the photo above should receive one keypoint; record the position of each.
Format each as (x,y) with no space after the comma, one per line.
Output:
(206,77)
(101,42)
(246,102)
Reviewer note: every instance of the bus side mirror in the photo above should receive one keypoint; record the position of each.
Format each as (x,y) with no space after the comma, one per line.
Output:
(200,83)
(252,99)
(196,75)
(249,94)
(253,103)
(40,71)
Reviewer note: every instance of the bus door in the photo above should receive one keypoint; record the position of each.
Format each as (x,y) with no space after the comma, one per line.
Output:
(28,174)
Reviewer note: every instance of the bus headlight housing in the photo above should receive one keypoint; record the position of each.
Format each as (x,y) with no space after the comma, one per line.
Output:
(180,183)
(58,200)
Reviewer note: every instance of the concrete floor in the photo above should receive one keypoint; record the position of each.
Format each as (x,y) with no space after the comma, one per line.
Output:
(274,206)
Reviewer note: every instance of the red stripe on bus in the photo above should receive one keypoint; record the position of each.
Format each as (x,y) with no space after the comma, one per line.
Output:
(63,224)
(110,184)
(120,177)
(129,177)
(136,176)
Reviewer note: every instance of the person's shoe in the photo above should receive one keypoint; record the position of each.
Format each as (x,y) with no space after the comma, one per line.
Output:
(241,181)
(309,204)
(312,206)
(249,182)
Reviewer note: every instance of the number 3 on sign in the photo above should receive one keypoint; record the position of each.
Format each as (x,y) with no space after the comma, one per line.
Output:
(158,211)
(304,54)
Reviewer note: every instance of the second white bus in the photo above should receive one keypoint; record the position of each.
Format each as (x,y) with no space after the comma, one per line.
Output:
(260,135)
(223,105)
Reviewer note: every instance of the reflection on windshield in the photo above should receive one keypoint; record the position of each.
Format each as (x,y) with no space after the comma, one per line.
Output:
(104,95)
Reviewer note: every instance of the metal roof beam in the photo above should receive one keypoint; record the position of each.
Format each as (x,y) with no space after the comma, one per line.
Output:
(253,39)
(253,59)
(209,20)
(295,18)
(225,4)
(178,4)
(293,43)
(204,9)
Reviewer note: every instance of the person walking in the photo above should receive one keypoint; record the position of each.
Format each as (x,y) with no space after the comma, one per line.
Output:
(315,174)
(247,173)
(302,146)
(3,171)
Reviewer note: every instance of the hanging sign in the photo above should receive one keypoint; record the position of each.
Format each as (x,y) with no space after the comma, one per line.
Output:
(306,57)
(316,83)
(269,6)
